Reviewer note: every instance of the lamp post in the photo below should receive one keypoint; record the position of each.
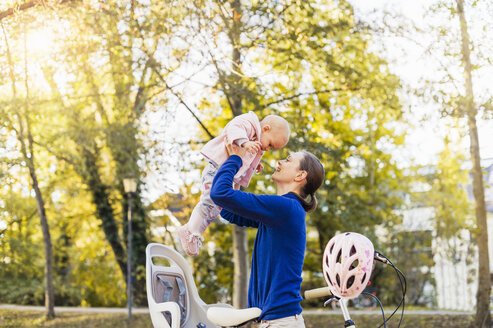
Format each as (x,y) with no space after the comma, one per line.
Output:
(130,186)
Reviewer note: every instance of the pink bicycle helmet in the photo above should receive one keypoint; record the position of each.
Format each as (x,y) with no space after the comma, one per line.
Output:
(347,264)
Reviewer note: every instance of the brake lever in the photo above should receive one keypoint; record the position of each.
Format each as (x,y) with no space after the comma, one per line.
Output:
(330,300)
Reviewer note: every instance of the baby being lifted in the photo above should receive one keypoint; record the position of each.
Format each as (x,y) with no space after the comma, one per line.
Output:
(248,132)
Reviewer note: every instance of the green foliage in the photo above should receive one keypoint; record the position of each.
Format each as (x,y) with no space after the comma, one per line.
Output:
(412,253)
(309,62)
(213,268)
(448,195)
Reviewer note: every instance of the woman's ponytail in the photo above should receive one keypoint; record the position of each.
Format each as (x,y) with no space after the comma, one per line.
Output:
(314,179)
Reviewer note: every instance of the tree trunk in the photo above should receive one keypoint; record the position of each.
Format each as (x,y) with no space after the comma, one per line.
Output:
(29,160)
(139,244)
(240,245)
(49,289)
(100,196)
(240,251)
(483,316)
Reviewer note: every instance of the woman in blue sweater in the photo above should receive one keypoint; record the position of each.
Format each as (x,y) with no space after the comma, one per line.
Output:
(279,249)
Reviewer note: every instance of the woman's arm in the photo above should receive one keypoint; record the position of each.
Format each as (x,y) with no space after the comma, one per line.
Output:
(238,220)
(268,209)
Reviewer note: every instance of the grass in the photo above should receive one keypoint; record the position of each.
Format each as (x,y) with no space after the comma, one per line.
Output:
(409,321)
(27,318)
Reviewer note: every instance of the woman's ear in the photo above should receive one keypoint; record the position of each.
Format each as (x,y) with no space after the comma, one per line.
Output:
(300,176)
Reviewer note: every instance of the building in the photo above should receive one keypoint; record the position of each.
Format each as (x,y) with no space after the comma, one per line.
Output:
(455,272)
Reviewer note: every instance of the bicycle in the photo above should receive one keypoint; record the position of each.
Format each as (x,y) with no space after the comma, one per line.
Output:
(174,301)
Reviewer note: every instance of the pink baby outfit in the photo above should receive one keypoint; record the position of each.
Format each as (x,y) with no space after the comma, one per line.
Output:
(245,127)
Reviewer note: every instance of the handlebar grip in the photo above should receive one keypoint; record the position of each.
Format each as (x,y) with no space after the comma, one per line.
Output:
(317,292)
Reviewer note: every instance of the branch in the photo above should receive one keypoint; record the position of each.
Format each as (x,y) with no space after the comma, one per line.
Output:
(305,94)
(25,6)
(57,155)
(154,63)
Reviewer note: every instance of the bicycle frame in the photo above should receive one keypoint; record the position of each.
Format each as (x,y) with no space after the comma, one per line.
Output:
(181,304)
(348,322)
(324,291)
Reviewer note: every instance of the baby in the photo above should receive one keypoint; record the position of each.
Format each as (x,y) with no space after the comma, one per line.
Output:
(248,132)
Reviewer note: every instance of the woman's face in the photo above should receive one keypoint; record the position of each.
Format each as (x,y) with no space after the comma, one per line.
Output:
(287,169)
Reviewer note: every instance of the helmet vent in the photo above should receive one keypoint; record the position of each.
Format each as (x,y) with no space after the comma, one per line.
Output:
(332,248)
(353,251)
(339,256)
(354,264)
(364,276)
(350,282)
(338,280)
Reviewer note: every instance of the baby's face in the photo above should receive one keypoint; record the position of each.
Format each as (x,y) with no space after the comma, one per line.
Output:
(274,139)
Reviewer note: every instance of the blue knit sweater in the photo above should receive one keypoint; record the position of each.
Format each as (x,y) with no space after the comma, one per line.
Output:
(279,250)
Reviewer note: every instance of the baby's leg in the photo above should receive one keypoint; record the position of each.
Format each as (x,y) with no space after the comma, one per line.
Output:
(202,215)
(205,211)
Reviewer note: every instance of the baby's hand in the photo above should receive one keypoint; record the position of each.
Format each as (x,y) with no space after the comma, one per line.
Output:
(260,167)
(252,146)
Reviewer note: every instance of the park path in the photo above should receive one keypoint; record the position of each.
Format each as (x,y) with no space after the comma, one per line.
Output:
(145,310)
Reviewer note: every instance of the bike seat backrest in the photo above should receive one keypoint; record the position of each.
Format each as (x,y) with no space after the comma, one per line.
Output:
(169,286)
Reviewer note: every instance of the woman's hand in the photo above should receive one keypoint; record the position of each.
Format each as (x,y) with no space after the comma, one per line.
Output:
(234,149)
(252,146)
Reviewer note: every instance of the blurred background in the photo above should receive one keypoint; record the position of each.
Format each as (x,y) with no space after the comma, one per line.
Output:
(394,97)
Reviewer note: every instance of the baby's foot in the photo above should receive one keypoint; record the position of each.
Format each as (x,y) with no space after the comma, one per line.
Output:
(191,242)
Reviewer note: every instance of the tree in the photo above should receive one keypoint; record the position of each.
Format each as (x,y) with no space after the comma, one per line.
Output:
(24,6)
(311,64)
(483,315)
(103,122)
(449,58)
(341,101)
(23,133)
(109,55)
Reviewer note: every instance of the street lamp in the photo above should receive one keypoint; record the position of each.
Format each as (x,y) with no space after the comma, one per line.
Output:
(130,186)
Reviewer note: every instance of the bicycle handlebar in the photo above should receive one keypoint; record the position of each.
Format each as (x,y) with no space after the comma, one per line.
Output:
(317,292)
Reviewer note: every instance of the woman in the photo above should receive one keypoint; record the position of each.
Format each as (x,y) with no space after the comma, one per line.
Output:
(279,249)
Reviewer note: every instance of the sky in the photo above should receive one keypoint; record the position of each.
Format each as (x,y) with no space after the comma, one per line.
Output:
(425,141)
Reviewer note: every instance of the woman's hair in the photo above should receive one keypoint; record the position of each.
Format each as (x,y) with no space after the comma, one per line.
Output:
(314,179)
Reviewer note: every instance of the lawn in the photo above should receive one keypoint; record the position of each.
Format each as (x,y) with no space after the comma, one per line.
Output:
(22,318)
